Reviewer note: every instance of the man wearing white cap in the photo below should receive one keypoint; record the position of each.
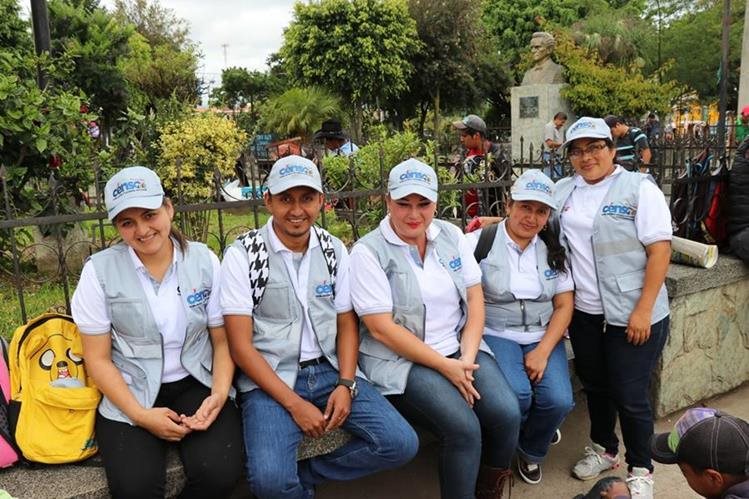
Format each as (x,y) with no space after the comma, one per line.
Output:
(293,334)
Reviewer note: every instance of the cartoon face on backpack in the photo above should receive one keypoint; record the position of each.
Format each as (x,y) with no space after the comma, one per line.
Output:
(57,363)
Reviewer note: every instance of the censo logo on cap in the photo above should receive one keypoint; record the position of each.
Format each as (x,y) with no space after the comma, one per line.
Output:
(294,169)
(414,175)
(535,185)
(129,186)
(582,124)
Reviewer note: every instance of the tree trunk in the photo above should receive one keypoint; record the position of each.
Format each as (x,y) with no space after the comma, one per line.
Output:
(424,109)
(436,124)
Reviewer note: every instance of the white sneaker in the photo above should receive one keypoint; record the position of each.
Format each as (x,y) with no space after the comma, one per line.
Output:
(595,462)
(640,483)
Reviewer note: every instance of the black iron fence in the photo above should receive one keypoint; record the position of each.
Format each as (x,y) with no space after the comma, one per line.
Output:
(52,249)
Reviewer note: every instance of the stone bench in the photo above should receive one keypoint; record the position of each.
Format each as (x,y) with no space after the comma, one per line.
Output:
(88,481)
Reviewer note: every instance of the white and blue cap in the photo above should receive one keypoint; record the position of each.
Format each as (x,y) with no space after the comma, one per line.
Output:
(533,185)
(412,177)
(293,171)
(587,128)
(133,187)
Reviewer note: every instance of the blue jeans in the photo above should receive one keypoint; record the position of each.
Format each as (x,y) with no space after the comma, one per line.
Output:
(543,405)
(433,402)
(616,378)
(382,438)
(553,167)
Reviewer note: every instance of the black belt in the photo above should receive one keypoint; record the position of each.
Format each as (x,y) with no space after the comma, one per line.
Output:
(312,362)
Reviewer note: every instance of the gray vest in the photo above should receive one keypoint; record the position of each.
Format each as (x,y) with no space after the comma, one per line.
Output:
(503,310)
(385,369)
(137,345)
(620,258)
(278,319)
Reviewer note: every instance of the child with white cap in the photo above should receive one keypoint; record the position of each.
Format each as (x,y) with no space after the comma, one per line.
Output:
(417,291)
(154,343)
(528,295)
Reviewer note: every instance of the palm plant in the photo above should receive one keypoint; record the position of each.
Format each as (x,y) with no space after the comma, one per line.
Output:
(298,112)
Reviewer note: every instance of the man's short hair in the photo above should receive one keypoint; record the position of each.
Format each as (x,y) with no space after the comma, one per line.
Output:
(612,120)
(560,116)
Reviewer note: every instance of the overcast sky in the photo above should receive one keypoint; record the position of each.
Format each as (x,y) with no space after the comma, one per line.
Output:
(251,30)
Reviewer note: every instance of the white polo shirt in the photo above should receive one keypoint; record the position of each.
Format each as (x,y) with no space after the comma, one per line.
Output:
(524,282)
(371,294)
(91,313)
(235,285)
(652,220)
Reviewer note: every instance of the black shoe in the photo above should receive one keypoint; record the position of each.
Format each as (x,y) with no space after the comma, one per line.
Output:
(556,438)
(529,472)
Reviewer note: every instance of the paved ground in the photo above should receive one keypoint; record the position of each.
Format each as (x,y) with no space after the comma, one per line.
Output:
(418,480)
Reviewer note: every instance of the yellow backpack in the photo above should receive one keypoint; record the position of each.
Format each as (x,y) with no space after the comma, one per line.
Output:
(53,401)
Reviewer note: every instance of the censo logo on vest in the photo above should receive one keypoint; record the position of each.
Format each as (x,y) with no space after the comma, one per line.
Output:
(323,290)
(129,186)
(619,210)
(455,263)
(198,297)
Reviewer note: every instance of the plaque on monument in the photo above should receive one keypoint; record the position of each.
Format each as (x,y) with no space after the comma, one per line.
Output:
(529,107)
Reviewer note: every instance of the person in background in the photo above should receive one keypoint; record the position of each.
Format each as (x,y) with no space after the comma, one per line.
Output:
(553,139)
(712,450)
(528,295)
(616,227)
(632,148)
(154,343)
(417,290)
(741,130)
(336,142)
(482,156)
(297,348)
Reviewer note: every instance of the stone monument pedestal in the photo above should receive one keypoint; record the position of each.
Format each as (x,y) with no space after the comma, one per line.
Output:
(532,107)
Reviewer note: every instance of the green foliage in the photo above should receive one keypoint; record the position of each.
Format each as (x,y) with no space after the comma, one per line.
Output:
(298,112)
(456,67)
(40,127)
(158,25)
(693,43)
(240,87)
(597,89)
(14,31)
(96,42)
(190,150)
(513,22)
(358,48)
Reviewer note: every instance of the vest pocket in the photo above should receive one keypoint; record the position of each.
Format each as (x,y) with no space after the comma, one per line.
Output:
(276,304)
(128,317)
(630,281)
(400,289)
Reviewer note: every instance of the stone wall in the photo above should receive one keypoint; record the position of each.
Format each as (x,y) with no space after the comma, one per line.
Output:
(707,352)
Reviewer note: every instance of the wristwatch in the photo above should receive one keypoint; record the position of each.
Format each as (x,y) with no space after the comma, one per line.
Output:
(350,384)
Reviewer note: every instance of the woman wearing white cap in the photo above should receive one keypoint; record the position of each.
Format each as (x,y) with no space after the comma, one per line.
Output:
(154,343)
(417,289)
(528,294)
(617,228)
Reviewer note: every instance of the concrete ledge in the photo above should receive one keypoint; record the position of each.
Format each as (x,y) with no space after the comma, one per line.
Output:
(683,279)
(87,480)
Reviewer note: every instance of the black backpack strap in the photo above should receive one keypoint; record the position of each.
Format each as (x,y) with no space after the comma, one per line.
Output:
(486,240)
(328,251)
(257,253)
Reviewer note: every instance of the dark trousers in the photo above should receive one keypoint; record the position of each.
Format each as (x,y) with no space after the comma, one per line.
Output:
(616,378)
(135,459)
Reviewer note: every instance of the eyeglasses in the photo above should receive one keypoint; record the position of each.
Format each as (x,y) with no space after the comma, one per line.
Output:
(593,149)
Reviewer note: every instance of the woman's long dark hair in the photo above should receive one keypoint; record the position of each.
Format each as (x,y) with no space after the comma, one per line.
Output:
(175,233)
(556,255)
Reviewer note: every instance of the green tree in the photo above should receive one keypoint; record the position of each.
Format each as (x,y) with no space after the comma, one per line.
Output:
(240,87)
(598,89)
(357,48)
(163,62)
(693,43)
(14,31)
(298,112)
(96,42)
(452,61)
